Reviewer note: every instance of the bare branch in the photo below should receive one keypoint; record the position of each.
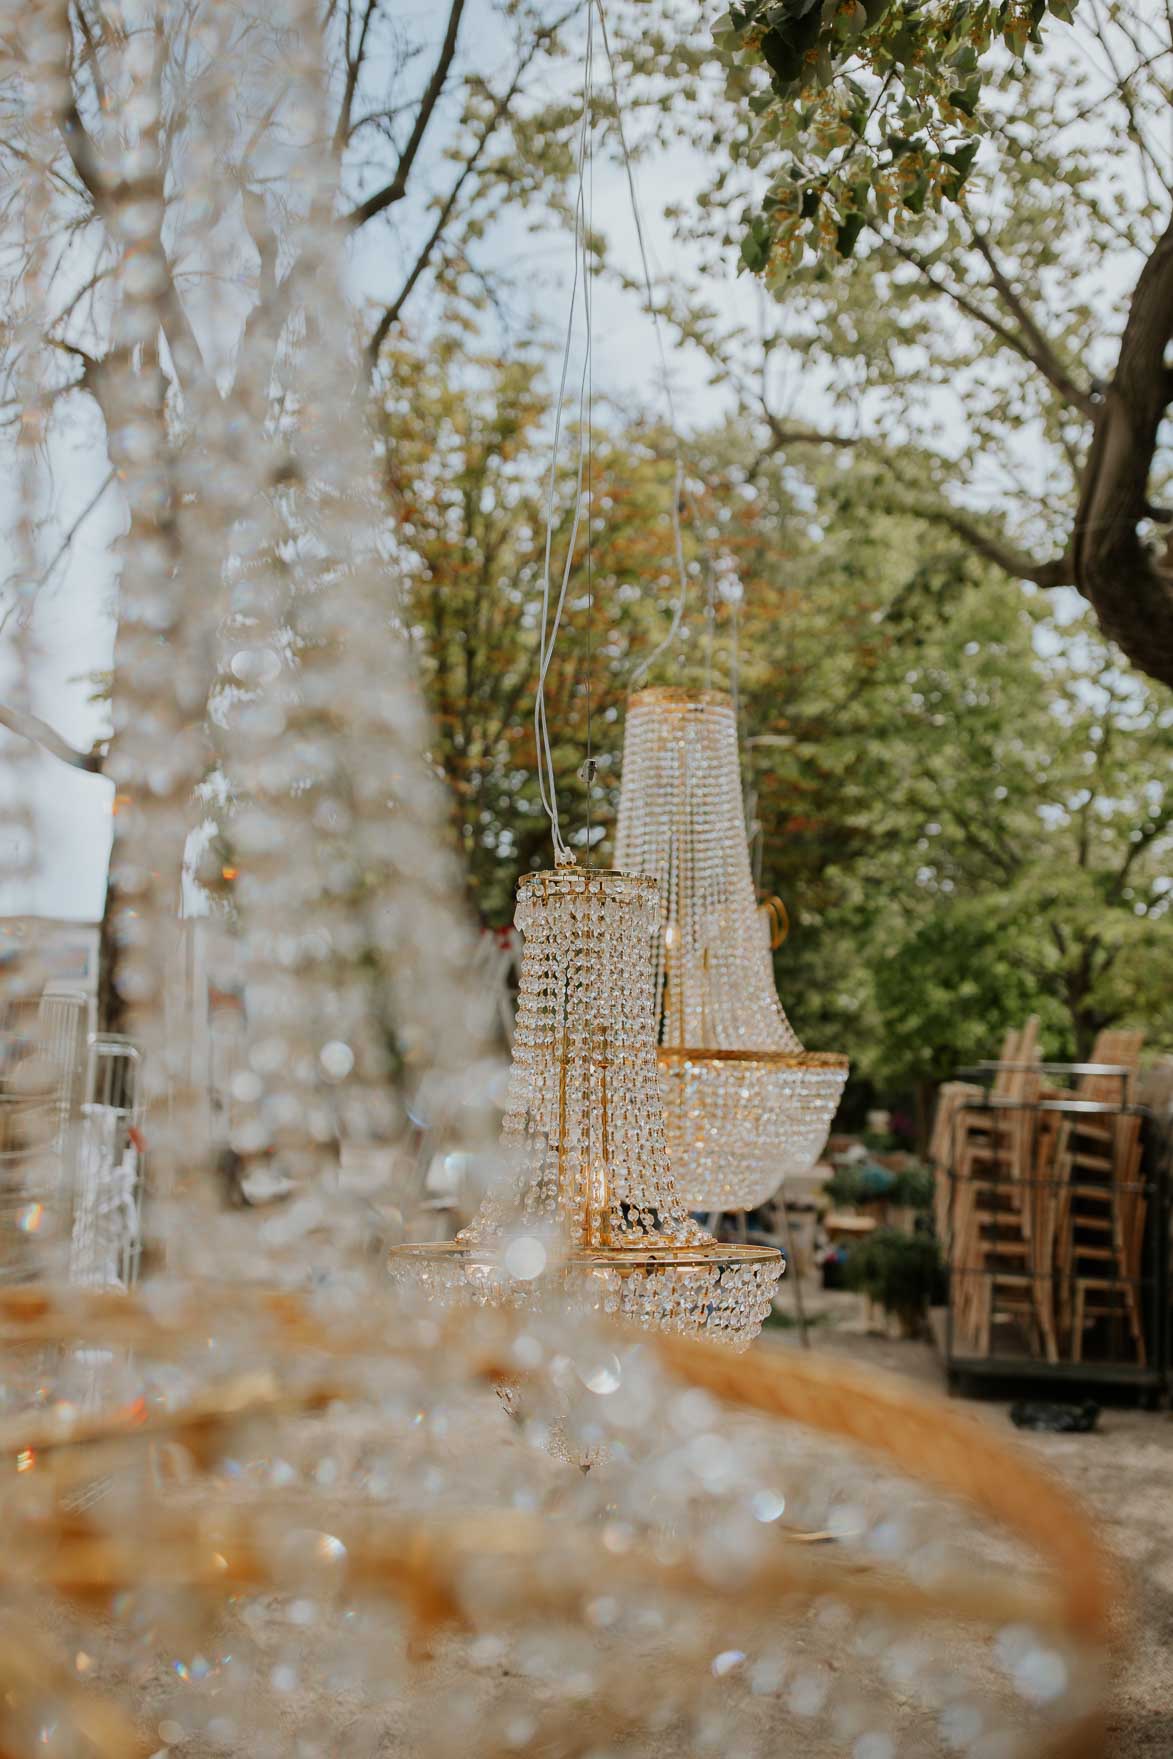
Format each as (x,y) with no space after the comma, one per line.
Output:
(500,109)
(393,312)
(1148,159)
(91,369)
(782,434)
(1040,351)
(994,548)
(397,188)
(1021,344)
(39,732)
(90,54)
(82,155)
(354,63)
(67,541)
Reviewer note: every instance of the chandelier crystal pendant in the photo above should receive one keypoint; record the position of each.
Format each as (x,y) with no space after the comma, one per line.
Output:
(593,1216)
(592,1200)
(746,1106)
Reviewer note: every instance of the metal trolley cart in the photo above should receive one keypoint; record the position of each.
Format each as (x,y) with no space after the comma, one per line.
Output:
(1052,1207)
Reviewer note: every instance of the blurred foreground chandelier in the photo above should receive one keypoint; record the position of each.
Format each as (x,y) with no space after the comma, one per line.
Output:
(746,1105)
(593,1196)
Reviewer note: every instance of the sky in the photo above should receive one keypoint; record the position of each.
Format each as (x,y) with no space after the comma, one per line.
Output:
(73,626)
(72,631)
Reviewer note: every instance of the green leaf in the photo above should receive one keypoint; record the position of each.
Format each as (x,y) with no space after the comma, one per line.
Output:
(786,43)
(962,157)
(904,46)
(848,232)
(965,98)
(755,246)
(962,164)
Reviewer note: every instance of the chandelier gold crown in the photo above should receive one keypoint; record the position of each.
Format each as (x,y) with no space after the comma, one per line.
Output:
(746,1106)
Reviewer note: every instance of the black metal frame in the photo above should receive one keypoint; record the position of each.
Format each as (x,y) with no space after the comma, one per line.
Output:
(1155,1179)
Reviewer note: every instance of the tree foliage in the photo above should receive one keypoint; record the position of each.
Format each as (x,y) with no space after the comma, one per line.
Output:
(962,800)
(862,110)
(1008,304)
(465,441)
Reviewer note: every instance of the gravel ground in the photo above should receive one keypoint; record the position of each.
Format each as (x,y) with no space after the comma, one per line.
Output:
(1123,1472)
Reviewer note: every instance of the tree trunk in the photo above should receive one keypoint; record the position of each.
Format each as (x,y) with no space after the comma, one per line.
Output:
(111,1008)
(1130,588)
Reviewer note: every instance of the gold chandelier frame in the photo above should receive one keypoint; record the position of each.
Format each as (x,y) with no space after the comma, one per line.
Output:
(678,1053)
(587,1176)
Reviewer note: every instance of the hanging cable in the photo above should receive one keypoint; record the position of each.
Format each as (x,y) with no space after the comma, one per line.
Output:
(547,779)
(678,484)
(587,294)
(710,617)
(748,796)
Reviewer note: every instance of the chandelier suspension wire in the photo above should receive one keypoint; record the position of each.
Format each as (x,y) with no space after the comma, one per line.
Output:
(588,302)
(710,619)
(673,425)
(744,768)
(584,1133)
(547,778)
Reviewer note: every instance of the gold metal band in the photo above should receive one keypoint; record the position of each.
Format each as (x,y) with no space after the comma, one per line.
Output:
(676,1053)
(673,696)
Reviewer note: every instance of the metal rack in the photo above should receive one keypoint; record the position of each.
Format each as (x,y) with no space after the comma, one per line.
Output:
(106,1229)
(41,1069)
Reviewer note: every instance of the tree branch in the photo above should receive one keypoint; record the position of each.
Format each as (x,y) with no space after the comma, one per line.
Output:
(1034,343)
(1146,836)
(66,543)
(82,155)
(1148,159)
(1021,345)
(990,545)
(353,71)
(783,435)
(91,52)
(39,732)
(1130,589)
(994,548)
(392,314)
(397,188)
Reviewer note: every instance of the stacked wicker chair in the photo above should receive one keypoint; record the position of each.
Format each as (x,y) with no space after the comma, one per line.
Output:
(1042,1211)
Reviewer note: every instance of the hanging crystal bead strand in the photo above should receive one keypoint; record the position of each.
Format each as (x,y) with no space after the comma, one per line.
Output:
(585,1133)
(746,1105)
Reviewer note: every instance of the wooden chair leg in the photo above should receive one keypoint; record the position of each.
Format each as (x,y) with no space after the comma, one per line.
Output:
(1077,1325)
(985,1313)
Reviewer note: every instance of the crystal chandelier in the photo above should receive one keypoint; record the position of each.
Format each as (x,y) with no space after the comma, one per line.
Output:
(585,1124)
(592,1192)
(746,1106)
